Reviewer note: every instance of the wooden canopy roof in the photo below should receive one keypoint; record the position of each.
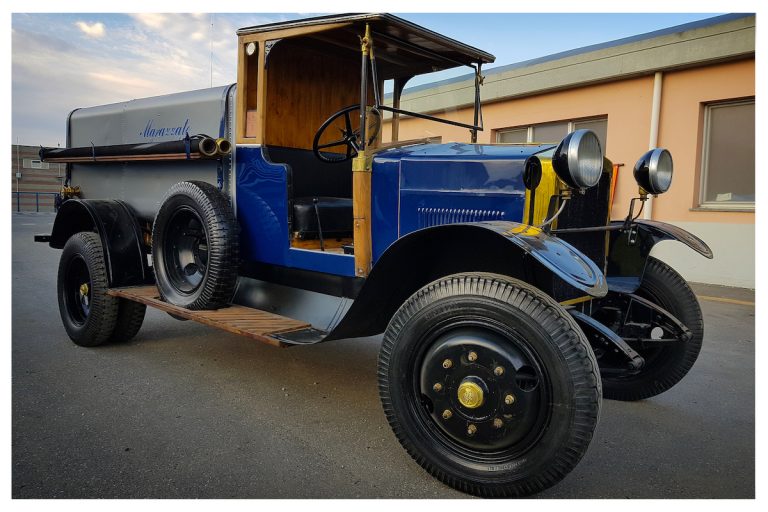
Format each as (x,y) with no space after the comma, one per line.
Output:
(402,48)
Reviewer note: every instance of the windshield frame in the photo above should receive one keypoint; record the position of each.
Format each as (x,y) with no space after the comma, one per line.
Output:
(400,86)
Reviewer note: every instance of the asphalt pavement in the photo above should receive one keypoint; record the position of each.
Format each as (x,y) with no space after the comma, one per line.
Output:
(187,411)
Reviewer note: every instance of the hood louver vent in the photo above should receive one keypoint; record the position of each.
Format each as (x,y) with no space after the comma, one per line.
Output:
(436,216)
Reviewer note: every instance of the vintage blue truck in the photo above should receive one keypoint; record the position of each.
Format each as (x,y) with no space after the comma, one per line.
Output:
(285,208)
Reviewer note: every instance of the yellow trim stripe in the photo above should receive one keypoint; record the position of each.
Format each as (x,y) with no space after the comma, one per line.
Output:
(577,300)
(726,300)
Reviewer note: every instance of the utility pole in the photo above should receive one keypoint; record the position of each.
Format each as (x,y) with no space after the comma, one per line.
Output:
(18,167)
(211,43)
(58,166)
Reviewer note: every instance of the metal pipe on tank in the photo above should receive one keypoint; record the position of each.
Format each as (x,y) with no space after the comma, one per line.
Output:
(170,150)
(223,146)
(208,146)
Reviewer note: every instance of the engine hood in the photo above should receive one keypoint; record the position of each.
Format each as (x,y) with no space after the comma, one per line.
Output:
(432,184)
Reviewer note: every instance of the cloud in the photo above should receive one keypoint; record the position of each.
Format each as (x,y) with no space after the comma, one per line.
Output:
(92,30)
(152,20)
(144,55)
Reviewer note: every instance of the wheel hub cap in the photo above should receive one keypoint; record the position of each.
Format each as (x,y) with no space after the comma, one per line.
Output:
(470,393)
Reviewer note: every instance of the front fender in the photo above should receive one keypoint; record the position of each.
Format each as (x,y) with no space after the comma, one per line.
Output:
(420,257)
(560,257)
(662,231)
(630,248)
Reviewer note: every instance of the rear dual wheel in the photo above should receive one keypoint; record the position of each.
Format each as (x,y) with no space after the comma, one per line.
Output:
(489,385)
(90,316)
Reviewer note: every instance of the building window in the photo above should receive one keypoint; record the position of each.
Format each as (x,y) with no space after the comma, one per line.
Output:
(553,132)
(513,136)
(30,163)
(728,156)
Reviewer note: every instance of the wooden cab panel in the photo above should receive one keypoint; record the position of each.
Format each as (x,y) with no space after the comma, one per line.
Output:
(309,82)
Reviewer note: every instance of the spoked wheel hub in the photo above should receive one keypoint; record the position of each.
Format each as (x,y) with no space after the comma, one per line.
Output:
(485,391)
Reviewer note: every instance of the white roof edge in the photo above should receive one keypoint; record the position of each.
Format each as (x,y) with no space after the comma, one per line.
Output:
(717,39)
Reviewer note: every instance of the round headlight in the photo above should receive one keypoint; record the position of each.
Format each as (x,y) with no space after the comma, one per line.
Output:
(578,159)
(653,172)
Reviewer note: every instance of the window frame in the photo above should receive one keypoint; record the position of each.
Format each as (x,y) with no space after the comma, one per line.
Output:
(530,127)
(703,204)
(35,163)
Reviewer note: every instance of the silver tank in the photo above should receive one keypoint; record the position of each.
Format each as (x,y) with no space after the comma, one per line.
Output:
(155,119)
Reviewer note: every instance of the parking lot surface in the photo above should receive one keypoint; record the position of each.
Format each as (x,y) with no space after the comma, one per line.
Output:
(186,411)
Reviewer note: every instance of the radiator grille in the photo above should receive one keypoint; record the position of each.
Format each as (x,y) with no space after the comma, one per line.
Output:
(436,216)
(587,210)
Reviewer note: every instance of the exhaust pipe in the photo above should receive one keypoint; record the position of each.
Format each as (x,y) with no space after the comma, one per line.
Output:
(208,147)
(223,146)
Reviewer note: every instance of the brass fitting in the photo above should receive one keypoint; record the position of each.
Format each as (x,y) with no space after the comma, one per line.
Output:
(447,363)
(498,423)
(447,414)
(472,356)
(223,146)
(509,399)
(471,429)
(365,41)
(69,192)
(498,371)
(470,394)
(437,387)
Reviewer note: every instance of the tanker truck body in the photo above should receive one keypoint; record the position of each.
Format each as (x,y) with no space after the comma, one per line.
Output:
(142,183)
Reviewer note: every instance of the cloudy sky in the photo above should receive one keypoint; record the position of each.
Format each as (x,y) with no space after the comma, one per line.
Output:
(64,61)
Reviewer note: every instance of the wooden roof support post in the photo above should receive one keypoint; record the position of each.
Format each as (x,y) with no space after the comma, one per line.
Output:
(361,175)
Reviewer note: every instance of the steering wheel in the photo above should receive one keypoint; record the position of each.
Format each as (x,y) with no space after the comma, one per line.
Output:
(350,138)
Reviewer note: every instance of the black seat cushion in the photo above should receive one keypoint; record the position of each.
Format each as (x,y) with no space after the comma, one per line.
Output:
(335,217)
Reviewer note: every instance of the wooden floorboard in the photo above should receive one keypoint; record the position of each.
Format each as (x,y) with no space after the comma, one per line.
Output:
(253,323)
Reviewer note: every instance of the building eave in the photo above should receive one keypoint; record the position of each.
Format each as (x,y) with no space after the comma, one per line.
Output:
(707,42)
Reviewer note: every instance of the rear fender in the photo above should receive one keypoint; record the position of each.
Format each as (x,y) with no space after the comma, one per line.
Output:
(120,233)
(507,248)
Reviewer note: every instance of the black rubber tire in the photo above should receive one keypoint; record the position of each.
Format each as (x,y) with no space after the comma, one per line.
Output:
(213,210)
(667,366)
(551,334)
(82,261)
(130,316)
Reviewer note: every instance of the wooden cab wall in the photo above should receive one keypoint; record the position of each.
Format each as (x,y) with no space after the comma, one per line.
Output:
(301,78)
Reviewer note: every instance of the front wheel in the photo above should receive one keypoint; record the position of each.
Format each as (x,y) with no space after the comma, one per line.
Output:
(489,385)
(664,366)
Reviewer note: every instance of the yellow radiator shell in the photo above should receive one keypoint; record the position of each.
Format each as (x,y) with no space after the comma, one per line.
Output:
(549,186)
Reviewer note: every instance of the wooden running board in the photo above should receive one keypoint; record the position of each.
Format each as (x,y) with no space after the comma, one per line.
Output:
(253,323)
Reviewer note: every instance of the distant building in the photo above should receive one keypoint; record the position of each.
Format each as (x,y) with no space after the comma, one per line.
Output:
(36,182)
(689,88)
